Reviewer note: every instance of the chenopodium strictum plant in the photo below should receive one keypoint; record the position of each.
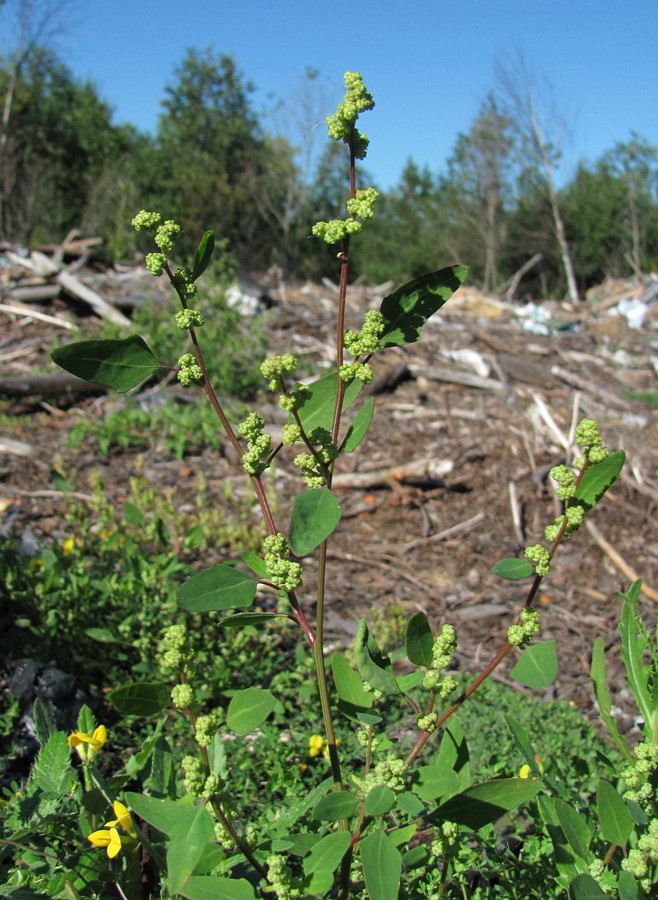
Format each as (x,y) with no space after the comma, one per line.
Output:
(362,823)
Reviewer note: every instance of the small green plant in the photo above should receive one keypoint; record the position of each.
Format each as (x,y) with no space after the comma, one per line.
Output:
(325,775)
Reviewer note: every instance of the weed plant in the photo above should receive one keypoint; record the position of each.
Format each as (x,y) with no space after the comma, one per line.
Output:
(254,762)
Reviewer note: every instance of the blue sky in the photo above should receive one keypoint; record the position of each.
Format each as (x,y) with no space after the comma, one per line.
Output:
(429,63)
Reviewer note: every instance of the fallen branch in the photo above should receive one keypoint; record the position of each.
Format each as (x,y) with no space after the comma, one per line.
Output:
(33,314)
(421,472)
(619,561)
(101,307)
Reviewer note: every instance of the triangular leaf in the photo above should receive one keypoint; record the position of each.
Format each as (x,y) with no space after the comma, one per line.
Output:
(598,477)
(319,398)
(574,827)
(315,514)
(120,364)
(537,666)
(373,666)
(142,698)
(248,709)
(335,805)
(604,703)
(482,804)
(615,821)
(513,569)
(219,587)
(212,887)
(188,839)
(406,310)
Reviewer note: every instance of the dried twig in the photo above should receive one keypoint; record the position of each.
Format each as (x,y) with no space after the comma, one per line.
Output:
(619,561)
(461,527)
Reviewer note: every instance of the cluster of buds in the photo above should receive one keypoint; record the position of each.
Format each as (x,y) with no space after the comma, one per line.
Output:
(189,369)
(175,649)
(164,235)
(443,685)
(341,125)
(389,771)
(275,367)
(281,571)
(524,631)
(313,465)
(255,458)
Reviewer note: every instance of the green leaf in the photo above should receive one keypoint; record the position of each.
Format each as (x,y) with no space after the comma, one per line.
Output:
(648,397)
(415,857)
(203,254)
(380,800)
(142,698)
(349,685)
(131,513)
(597,674)
(574,827)
(161,814)
(453,751)
(482,804)
(615,821)
(317,408)
(406,310)
(513,569)
(102,635)
(188,840)
(359,426)
(248,709)
(219,587)
(52,770)
(435,781)
(240,620)
(335,805)
(583,887)
(598,477)
(120,364)
(373,666)
(418,640)
(255,563)
(537,666)
(297,806)
(522,741)
(43,721)
(315,514)
(382,866)
(212,887)
(634,641)
(324,859)
(627,886)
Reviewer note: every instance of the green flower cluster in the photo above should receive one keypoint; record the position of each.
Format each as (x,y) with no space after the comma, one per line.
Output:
(182,696)
(155,263)
(566,480)
(254,460)
(589,440)
(175,648)
(362,202)
(274,367)
(165,234)
(367,341)
(361,371)
(189,370)
(389,771)
(189,318)
(428,721)
(182,279)
(640,776)
(340,125)
(442,649)
(308,466)
(643,855)
(574,516)
(194,775)
(335,230)
(281,571)
(540,556)
(290,434)
(146,221)
(527,628)
(312,465)
(284,885)
(205,728)
(447,844)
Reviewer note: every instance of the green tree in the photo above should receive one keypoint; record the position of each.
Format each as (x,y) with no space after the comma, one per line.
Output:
(57,140)
(212,155)
(635,165)
(477,188)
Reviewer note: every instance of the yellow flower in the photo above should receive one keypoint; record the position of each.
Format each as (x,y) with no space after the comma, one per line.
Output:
(106,838)
(67,547)
(122,818)
(524,771)
(88,745)
(316,745)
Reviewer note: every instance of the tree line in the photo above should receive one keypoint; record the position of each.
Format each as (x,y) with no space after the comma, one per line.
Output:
(214,163)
